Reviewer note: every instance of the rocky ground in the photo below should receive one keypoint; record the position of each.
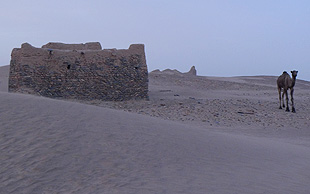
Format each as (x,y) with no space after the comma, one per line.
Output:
(220,102)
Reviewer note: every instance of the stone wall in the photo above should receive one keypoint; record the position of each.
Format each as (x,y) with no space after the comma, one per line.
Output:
(79,71)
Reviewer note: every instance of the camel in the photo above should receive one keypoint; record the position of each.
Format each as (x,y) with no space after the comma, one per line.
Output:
(285,82)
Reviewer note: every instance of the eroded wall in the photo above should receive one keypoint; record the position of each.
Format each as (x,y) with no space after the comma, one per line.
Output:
(87,74)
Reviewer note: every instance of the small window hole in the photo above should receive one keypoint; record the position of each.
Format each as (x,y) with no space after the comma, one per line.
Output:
(50,51)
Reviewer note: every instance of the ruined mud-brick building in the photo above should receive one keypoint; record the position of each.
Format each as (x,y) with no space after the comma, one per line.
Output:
(80,71)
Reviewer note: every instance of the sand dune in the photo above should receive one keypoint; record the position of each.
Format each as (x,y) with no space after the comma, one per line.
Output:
(54,146)
(4,76)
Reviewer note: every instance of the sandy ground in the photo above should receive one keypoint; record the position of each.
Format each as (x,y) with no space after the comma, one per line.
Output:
(195,135)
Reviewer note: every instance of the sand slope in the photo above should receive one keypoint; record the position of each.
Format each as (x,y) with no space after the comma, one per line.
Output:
(50,146)
(4,76)
(53,146)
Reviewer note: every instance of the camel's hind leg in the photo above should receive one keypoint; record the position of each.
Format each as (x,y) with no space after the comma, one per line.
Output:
(279,90)
(292,99)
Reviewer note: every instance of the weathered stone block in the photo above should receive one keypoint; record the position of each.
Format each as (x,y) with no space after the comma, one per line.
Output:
(62,46)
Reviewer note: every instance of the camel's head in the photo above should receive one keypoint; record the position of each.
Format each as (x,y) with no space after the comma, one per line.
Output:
(294,73)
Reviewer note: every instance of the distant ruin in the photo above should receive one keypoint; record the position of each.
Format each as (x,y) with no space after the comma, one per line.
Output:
(79,71)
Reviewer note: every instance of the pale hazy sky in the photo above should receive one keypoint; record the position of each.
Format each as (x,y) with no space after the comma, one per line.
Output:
(219,37)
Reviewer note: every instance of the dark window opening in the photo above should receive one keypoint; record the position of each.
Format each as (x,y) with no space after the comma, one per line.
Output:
(50,51)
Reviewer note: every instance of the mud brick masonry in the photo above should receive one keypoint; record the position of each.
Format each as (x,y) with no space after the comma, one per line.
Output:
(79,71)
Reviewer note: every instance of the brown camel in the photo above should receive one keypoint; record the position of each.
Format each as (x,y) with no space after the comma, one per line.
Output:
(285,82)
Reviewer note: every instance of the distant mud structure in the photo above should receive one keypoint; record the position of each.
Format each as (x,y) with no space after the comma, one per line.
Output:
(79,71)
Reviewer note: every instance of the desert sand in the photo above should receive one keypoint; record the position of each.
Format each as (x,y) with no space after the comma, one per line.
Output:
(196,134)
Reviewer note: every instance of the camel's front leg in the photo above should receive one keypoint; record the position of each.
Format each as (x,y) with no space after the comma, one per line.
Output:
(292,99)
(283,99)
(286,97)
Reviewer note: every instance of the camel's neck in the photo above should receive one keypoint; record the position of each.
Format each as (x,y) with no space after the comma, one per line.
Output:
(293,81)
